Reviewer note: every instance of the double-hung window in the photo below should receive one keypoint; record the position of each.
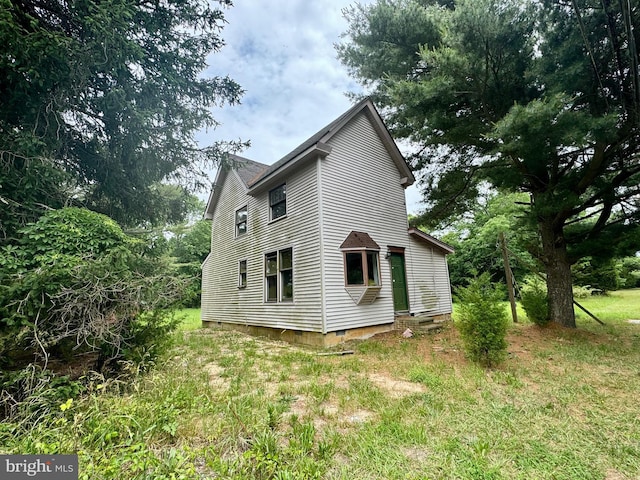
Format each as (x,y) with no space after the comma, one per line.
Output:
(242,274)
(278,201)
(278,272)
(241,221)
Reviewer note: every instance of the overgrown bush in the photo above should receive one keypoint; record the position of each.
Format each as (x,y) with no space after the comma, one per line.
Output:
(533,297)
(76,284)
(482,321)
(583,291)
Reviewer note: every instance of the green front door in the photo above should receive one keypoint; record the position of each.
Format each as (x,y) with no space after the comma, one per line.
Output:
(399,279)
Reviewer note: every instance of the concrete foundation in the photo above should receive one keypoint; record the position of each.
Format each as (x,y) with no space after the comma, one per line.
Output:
(305,338)
(401,322)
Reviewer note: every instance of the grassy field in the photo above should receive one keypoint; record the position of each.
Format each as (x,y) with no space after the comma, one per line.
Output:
(565,405)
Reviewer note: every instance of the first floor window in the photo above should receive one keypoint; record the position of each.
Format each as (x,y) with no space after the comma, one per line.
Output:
(271,275)
(242,274)
(362,268)
(278,271)
(286,274)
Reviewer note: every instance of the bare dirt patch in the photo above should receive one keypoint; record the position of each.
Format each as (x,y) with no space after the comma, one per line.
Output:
(396,388)
(359,416)
(415,453)
(216,380)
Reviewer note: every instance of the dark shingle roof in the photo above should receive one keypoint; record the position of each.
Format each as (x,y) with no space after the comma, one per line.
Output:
(359,240)
(247,169)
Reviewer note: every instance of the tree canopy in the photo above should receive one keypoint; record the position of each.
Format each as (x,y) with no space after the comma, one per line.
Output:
(100,103)
(541,97)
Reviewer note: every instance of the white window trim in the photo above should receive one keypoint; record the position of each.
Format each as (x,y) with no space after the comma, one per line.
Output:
(235,221)
(246,273)
(279,299)
(271,219)
(365,268)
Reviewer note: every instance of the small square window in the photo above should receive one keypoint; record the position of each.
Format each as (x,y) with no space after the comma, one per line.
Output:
(241,221)
(278,201)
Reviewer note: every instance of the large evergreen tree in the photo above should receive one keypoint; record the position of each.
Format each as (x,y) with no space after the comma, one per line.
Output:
(101,100)
(541,97)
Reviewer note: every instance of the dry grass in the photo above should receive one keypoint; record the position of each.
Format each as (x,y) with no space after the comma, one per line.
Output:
(564,405)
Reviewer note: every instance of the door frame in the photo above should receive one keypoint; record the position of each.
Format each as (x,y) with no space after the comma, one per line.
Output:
(399,252)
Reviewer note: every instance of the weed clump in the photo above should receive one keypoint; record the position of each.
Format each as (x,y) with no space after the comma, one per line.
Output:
(482,321)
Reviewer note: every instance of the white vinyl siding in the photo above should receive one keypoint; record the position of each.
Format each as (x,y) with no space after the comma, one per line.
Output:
(356,187)
(222,300)
(361,191)
(428,278)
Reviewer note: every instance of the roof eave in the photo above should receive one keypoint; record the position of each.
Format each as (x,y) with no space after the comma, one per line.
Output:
(367,106)
(425,237)
(215,193)
(319,149)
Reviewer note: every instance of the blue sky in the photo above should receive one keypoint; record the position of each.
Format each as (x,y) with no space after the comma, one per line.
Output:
(282,54)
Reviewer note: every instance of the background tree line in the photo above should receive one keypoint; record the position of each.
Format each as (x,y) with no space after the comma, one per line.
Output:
(475,240)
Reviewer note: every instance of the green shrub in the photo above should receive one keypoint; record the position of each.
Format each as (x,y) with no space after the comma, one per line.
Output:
(629,268)
(76,283)
(482,321)
(533,297)
(582,291)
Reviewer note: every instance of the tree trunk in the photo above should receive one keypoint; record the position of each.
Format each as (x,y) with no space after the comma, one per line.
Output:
(558,270)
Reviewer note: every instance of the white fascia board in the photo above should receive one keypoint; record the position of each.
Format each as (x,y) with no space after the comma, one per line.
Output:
(318,150)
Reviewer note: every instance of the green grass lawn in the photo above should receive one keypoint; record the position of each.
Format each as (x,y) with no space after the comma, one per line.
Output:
(190,319)
(223,405)
(618,306)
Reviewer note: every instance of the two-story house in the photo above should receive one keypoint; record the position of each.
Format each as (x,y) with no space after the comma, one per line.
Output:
(316,248)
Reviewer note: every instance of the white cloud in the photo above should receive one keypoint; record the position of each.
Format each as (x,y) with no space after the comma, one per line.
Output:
(282,54)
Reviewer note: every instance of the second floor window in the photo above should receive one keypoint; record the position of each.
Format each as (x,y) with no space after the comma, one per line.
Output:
(241,221)
(278,201)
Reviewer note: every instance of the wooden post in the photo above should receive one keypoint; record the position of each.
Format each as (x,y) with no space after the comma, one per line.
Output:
(509,276)
(544,279)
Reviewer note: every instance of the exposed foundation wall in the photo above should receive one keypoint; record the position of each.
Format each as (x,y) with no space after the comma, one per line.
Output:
(324,340)
(305,338)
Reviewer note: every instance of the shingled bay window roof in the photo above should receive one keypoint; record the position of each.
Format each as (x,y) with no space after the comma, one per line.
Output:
(359,241)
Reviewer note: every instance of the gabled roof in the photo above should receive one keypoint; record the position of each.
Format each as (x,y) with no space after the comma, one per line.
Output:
(316,145)
(432,241)
(257,177)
